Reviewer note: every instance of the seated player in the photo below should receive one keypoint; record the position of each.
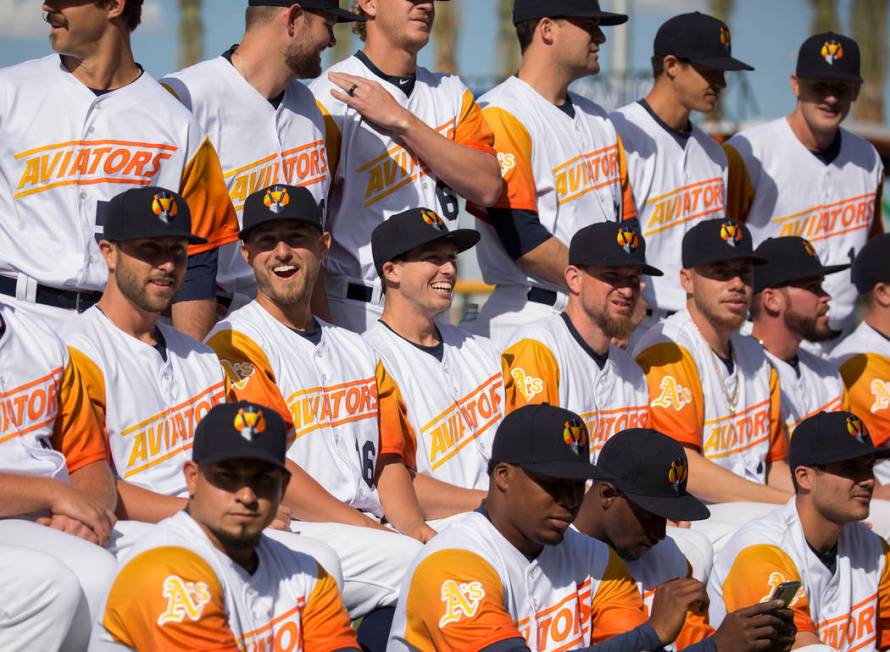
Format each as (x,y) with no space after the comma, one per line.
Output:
(207,577)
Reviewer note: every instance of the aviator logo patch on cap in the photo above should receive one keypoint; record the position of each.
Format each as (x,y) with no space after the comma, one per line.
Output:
(163,204)
(832,51)
(857,429)
(628,240)
(250,422)
(809,248)
(575,435)
(677,474)
(731,233)
(725,37)
(433,219)
(276,198)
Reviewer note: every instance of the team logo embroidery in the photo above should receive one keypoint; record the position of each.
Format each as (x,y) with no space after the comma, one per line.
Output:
(276,198)
(677,474)
(432,218)
(575,435)
(163,204)
(725,37)
(184,600)
(880,389)
(808,247)
(673,395)
(628,240)
(238,373)
(832,51)
(529,386)
(507,162)
(731,233)
(460,600)
(857,429)
(250,422)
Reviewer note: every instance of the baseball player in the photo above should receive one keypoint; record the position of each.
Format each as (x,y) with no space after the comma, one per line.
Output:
(438,462)
(263,122)
(677,172)
(399,137)
(105,125)
(207,577)
(843,568)
(52,473)
(713,389)
(789,307)
(326,383)
(562,163)
(805,175)
(515,576)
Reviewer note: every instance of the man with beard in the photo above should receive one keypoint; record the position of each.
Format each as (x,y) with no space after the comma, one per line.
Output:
(400,137)
(327,384)
(262,120)
(207,577)
(789,307)
(713,389)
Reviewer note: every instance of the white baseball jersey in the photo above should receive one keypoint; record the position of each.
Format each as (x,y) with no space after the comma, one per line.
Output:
(55,178)
(375,176)
(813,386)
(326,392)
(453,407)
(570,170)
(674,187)
(149,406)
(177,591)
(780,188)
(258,144)
(470,588)
(549,362)
(849,609)
(733,419)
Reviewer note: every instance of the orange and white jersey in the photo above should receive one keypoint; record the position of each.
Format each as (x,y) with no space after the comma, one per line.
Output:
(812,387)
(691,392)
(674,187)
(47,423)
(326,392)
(660,564)
(778,188)
(548,362)
(375,175)
(56,179)
(177,591)
(848,609)
(258,144)
(570,170)
(149,406)
(470,588)
(452,407)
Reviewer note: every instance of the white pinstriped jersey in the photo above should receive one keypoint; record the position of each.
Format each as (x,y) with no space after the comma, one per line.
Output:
(150,406)
(258,144)
(454,406)
(817,388)
(674,187)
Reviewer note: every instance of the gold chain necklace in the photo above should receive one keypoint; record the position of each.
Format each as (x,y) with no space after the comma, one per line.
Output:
(732,400)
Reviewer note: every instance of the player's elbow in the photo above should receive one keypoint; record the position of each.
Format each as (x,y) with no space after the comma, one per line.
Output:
(489,185)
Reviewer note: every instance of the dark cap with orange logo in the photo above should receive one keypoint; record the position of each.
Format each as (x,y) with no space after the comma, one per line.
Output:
(610,244)
(789,258)
(524,10)
(331,7)
(713,241)
(830,437)
(414,228)
(148,212)
(699,39)
(829,56)
(280,202)
(241,431)
(871,266)
(547,440)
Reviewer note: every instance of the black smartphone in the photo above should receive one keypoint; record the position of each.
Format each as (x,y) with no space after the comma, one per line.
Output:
(786,591)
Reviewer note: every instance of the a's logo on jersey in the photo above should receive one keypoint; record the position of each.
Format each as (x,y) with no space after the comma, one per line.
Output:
(237,373)
(628,240)
(731,233)
(725,36)
(832,51)
(775,579)
(276,199)
(529,386)
(184,600)
(163,204)
(880,389)
(673,395)
(677,474)
(808,247)
(857,429)
(507,161)
(574,434)
(250,422)
(432,218)
(460,600)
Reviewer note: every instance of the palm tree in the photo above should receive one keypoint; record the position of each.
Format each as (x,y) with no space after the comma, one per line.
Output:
(721,9)
(508,48)
(824,18)
(191,33)
(445,30)
(869,22)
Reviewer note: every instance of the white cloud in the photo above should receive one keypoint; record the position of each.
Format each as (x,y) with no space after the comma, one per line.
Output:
(23,18)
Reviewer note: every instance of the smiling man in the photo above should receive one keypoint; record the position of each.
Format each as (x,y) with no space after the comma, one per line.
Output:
(806,175)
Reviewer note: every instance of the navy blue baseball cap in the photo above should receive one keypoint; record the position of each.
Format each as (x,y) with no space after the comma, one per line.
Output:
(700,39)
(148,212)
(524,10)
(829,56)
(331,7)
(789,258)
(280,202)
(713,241)
(830,437)
(241,431)
(610,244)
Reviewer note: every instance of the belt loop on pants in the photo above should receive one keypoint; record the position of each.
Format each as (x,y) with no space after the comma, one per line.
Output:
(540,295)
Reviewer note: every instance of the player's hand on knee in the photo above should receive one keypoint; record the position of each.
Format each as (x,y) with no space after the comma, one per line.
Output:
(373,101)
(75,528)
(282,519)
(671,602)
(761,627)
(422,532)
(77,506)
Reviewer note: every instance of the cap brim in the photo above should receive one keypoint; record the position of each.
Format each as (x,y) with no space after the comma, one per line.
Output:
(259,455)
(834,269)
(606,18)
(680,508)
(756,260)
(648,270)
(463,238)
(579,470)
(722,63)
(824,270)
(344,16)
(245,231)
(837,76)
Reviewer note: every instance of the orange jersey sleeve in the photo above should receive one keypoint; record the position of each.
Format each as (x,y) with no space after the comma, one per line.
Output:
(867,379)
(628,206)
(332,138)
(755,573)
(778,431)
(677,405)
(740,190)
(514,149)
(883,633)
(168,599)
(617,607)
(325,621)
(78,433)
(204,188)
(397,437)
(471,129)
(455,603)
(531,375)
